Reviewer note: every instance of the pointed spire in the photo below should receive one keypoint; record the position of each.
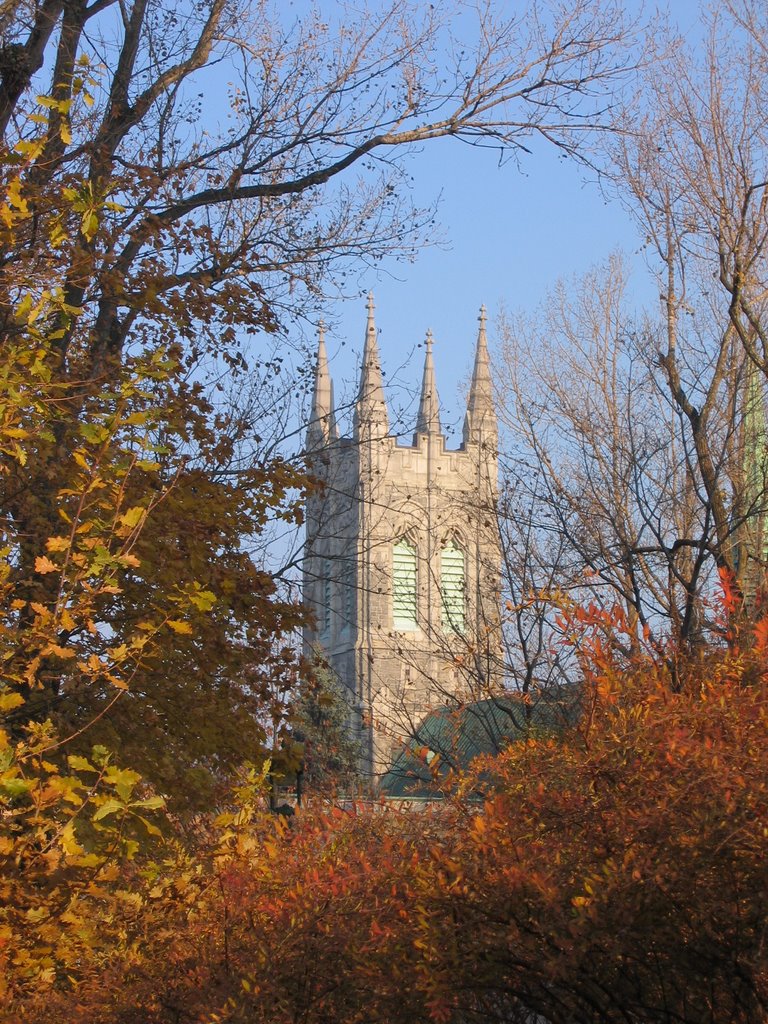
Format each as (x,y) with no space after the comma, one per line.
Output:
(322,421)
(428,421)
(480,420)
(371,406)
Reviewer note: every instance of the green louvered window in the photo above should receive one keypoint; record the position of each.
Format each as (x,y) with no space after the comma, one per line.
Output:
(452,587)
(404,585)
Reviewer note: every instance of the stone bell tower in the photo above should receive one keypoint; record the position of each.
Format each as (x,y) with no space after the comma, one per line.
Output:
(402,554)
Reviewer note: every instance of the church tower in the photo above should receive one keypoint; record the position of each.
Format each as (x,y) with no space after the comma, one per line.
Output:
(402,553)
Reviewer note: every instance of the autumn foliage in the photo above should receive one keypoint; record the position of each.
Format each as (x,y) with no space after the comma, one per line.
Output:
(614,873)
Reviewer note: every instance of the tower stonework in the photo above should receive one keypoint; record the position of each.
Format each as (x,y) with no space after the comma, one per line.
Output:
(402,556)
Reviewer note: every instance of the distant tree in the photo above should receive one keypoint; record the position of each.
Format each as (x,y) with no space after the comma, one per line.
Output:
(600,475)
(691,168)
(635,463)
(323,724)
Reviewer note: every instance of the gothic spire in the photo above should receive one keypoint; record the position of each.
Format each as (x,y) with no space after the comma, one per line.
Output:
(480,420)
(428,421)
(322,426)
(371,406)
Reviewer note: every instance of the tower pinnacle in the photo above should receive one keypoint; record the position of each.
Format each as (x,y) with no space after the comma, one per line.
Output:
(428,421)
(371,405)
(480,421)
(321,422)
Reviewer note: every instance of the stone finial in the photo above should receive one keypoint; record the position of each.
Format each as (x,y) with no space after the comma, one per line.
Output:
(428,420)
(321,419)
(371,405)
(480,420)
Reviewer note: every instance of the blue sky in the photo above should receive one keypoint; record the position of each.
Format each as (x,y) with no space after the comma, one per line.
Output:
(511,233)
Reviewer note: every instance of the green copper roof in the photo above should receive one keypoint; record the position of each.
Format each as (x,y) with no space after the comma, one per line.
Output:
(457,735)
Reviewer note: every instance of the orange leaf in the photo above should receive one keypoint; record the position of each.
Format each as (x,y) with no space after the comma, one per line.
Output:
(761,636)
(43,564)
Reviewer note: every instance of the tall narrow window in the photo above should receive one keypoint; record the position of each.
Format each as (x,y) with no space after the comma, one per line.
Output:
(404,585)
(327,596)
(350,593)
(452,586)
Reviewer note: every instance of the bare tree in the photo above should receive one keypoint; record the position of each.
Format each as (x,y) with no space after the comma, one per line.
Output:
(643,433)
(302,171)
(691,168)
(602,460)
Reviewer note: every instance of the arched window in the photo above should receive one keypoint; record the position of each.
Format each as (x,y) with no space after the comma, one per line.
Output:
(452,586)
(404,585)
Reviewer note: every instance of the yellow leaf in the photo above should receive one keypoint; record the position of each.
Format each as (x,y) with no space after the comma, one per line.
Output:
(31,150)
(180,627)
(15,197)
(66,619)
(57,543)
(89,225)
(133,516)
(69,843)
(79,764)
(59,651)
(9,701)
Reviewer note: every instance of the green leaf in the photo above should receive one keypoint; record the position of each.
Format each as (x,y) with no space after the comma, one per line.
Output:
(124,780)
(151,803)
(15,787)
(94,432)
(110,806)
